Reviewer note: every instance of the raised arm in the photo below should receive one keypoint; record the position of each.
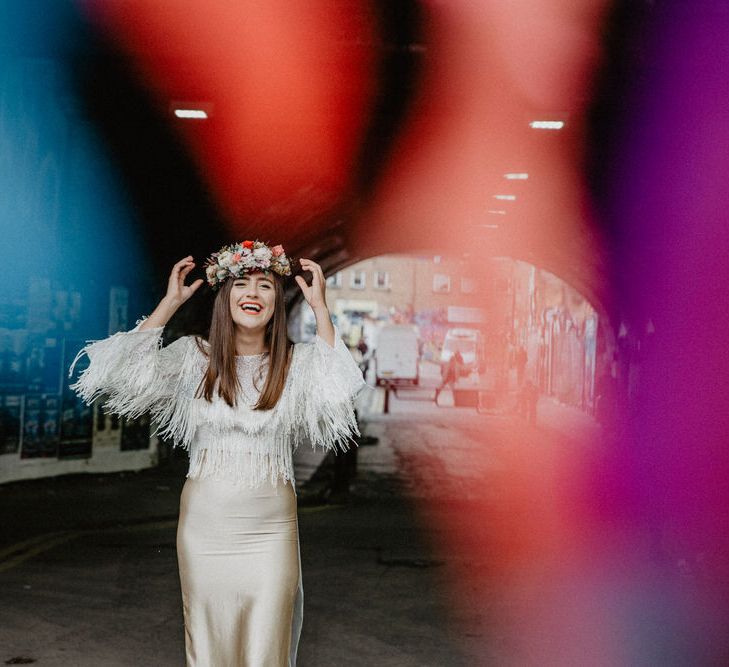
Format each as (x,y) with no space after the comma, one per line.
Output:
(131,368)
(326,376)
(315,295)
(177,294)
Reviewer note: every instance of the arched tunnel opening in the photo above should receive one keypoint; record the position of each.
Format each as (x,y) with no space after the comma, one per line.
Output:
(513,321)
(520,223)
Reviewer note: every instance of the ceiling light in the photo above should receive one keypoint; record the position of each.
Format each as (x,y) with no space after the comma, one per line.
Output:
(191,109)
(516,176)
(505,197)
(497,211)
(191,113)
(547,124)
(489,226)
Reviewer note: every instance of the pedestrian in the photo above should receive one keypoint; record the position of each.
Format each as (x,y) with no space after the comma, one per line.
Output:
(528,398)
(240,400)
(450,373)
(364,356)
(520,361)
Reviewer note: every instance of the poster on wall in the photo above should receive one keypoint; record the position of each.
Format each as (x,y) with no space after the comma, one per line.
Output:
(76,416)
(12,378)
(43,365)
(11,412)
(118,309)
(40,426)
(135,433)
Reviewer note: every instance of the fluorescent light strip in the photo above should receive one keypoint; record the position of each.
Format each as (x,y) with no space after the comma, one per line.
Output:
(190,113)
(516,176)
(505,197)
(489,226)
(547,124)
(497,211)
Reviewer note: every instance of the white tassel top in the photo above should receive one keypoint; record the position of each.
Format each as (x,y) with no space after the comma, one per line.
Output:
(136,375)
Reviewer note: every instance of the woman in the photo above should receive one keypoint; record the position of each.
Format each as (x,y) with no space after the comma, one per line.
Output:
(240,402)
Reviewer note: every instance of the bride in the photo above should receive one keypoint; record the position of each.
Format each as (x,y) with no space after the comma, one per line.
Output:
(240,402)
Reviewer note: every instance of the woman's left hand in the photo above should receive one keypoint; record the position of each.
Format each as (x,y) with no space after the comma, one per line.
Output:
(315,294)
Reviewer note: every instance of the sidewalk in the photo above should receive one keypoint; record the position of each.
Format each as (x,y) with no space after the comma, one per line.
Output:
(563,418)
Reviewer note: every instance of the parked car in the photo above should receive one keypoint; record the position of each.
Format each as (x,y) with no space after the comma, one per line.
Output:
(397,355)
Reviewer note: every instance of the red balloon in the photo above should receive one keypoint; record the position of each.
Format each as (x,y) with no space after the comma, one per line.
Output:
(287,83)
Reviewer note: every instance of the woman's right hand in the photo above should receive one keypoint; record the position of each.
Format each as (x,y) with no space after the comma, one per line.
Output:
(177,294)
(177,291)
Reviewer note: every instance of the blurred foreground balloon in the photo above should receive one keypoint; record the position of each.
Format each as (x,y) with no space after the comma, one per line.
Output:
(285,87)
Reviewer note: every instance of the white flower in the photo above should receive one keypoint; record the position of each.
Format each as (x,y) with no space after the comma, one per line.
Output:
(225,260)
(221,273)
(263,254)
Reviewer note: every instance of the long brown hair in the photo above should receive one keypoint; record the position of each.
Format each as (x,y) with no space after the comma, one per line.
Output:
(221,351)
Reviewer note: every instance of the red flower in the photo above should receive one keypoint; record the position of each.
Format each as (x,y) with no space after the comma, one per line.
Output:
(248,244)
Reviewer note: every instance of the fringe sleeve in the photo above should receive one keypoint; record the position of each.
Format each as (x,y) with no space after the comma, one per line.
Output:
(328,380)
(132,370)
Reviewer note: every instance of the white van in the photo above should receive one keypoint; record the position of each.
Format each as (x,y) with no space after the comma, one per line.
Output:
(397,355)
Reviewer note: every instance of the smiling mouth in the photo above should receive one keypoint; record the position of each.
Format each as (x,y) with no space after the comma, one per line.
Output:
(253,308)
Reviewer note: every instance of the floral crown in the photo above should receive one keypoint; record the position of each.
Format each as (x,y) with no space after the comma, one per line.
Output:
(238,258)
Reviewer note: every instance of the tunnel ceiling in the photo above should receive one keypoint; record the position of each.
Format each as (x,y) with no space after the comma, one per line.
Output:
(399,139)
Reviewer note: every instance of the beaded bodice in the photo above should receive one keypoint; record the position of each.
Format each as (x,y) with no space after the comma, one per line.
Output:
(252,372)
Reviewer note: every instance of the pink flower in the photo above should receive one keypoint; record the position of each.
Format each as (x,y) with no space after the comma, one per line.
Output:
(236,257)
(277,250)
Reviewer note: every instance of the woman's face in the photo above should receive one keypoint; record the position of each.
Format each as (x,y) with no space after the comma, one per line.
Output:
(252,300)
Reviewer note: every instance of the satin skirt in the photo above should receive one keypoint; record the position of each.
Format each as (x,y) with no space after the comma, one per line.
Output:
(240,574)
